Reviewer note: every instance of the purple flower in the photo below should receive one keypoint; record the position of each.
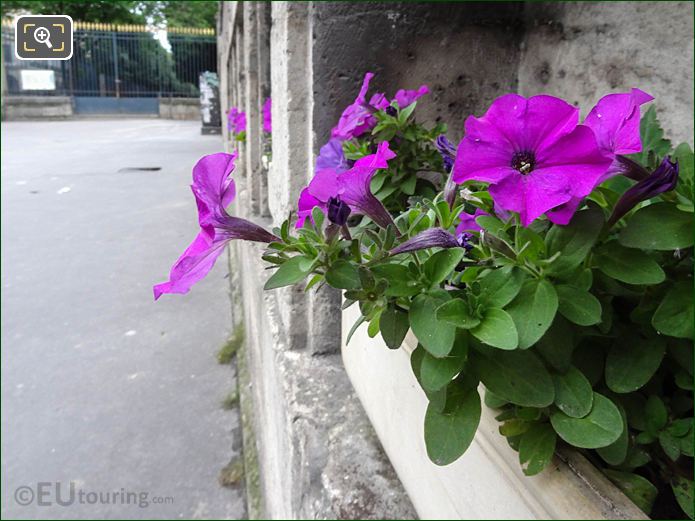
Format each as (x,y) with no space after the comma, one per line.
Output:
(430,238)
(214,190)
(358,117)
(405,98)
(267,116)
(331,156)
(322,187)
(663,179)
(467,221)
(338,211)
(615,121)
(352,186)
(532,152)
(236,121)
(447,150)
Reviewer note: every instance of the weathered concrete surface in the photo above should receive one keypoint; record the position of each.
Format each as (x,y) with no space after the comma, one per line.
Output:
(319,457)
(467,53)
(179,108)
(101,385)
(37,107)
(583,50)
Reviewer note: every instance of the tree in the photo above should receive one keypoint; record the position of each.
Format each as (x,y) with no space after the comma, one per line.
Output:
(170,13)
(122,12)
(180,13)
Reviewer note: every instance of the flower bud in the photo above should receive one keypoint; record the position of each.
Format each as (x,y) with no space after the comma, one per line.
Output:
(663,179)
(447,150)
(338,211)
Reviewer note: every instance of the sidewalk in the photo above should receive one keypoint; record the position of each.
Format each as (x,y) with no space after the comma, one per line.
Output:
(101,385)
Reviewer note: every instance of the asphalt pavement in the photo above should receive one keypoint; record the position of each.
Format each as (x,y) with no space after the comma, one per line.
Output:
(111,403)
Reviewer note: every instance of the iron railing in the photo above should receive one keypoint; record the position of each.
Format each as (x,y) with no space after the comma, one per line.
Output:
(121,61)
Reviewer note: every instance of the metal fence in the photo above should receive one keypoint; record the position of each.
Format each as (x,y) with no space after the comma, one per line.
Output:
(120,61)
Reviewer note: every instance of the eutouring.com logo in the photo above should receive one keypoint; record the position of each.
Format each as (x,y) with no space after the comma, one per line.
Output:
(50,493)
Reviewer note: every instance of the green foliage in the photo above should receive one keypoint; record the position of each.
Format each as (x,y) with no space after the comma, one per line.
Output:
(536,448)
(449,434)
(659,226)
(601,427)
(580,332)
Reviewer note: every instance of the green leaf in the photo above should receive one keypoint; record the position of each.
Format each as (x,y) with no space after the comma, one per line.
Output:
(684,155)
(493,401)
(405,113)
(655,414)
(435,373)
(674,316)
(436,337)
(659,226)
(632,361)
(616,452)
(557,345)
(291,272)
(652,137)
(447,436)
(343,275)
(638,489)
(394,326)
(401,283)
(499,287)
(670,444)
(497,329)
(456,312)
(683,490)
(575,240)
(440,265)
(492,225)
(628,264)
(518,377)
(573,393)
(578,306)
(533,311)
(373,328)
(601,427)
(536,448)
(514,427)
(354,328)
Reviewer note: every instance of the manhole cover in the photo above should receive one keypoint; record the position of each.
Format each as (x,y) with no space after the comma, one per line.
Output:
(140,169)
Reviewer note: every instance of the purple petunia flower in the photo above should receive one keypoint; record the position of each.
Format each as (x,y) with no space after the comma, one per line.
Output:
(447,150)
(467,221)
(430,238)
(338,211)
(214,190)
(615,121)
(351,186)
(533,154)
(663,179)
(405,98)
(331,156)
(267,117)
(236,121)
(358,117)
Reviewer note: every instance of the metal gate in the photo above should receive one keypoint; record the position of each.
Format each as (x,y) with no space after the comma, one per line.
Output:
(120,69)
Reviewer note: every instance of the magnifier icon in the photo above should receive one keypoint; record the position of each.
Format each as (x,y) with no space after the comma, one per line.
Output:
(43,35)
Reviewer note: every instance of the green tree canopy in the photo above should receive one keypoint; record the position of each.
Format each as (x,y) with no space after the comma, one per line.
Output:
(171,13)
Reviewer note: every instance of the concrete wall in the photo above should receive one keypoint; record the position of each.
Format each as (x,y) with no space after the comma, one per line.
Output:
(318,456)
(583,50)
(179,108)
(37,107)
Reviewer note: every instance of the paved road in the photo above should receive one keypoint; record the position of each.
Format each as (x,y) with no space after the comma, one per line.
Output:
(100,385)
